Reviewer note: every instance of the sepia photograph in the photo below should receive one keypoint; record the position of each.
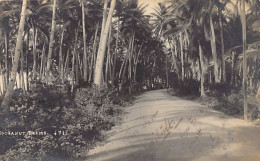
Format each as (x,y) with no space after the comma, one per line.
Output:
(129,80)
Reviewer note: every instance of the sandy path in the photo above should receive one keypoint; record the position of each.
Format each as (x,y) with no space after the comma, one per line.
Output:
(160,127)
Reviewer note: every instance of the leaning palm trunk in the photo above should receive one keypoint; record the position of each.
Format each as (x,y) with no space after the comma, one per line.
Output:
(102,47)
(243,20)
(214,51)
(18,48)
(53,24)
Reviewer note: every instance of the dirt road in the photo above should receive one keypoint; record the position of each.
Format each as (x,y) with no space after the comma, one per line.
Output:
(160,127)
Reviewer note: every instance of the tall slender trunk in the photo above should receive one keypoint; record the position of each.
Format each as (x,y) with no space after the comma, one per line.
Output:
(258,98)
(35,35)
(210,77)
(94,50)
(65,70)
(77,68)
(202,72)
(136,61)
(42,62)
(174,57)
(75,58)
(131,50)
(6,56)
(21,72)
(53,24)
(18,49)
(1,80)
(26,60)
(107,77)
(243,21)
(232,67)
(223,63)
(73,70)
(214,50)
(102,46)
(85,68)
(167,73)
(61,64)
(182,58)
(115,54)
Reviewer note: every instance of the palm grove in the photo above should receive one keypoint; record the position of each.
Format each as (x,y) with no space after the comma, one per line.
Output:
(80,46)
(100,42)
(83,42)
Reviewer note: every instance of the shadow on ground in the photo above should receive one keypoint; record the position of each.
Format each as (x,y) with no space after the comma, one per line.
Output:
(159,127)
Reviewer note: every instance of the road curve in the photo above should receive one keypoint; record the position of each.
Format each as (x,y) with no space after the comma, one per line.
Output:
(160,127)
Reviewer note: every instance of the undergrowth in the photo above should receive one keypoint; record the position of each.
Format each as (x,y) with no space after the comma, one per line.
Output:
(57,124)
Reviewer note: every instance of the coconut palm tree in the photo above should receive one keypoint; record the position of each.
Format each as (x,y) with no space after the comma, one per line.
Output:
(18,48)
(53,25)
(102,45)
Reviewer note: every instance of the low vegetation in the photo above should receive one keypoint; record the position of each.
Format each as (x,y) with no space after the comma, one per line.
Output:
(62,125)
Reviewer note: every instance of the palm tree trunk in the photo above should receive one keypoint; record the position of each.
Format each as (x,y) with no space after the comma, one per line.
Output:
(18,48)
(258,98)
(243,21)
(72,71)
(61,64)
(65,70)
(136,62)
(223,63)
(131,50)
(1,81)
(202,75)
(182,57)
(167,73)
(77,68)
(53,24)
(93,58)
(35,35)
(108,57)
(26,60)
(210,77)
(21,72)
(121,69)
(6,56)
(102,47)
(232,67)
(42,62)
(214,51)
(85,69)
(115,54)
